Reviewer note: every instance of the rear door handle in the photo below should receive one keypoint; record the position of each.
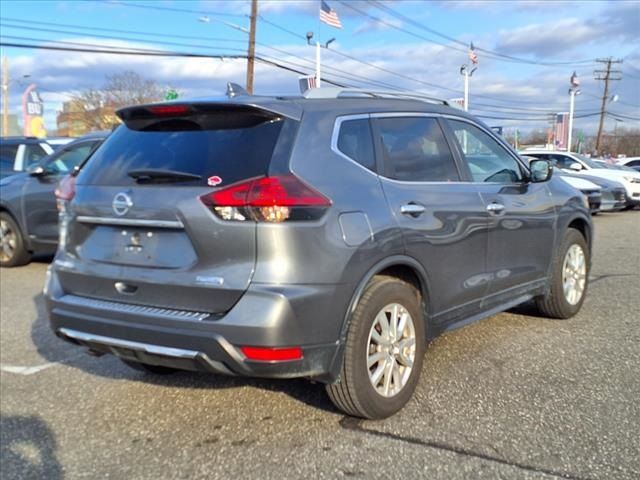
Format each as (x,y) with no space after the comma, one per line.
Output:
(412,209)
(495,208)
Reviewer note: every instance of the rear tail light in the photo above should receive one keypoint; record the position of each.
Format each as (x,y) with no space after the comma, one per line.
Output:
(268,199)
(268,354)
(65,191)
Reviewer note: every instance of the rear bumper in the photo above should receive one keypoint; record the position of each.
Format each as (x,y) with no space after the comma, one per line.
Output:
(193,341)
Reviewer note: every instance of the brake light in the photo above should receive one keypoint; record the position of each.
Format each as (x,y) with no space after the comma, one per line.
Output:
(169,110)
(65,191)
(268,199)
(268,354)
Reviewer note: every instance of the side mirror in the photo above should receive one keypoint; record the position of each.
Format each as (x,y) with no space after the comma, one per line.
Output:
(36,170)
(575,166)
(541,171)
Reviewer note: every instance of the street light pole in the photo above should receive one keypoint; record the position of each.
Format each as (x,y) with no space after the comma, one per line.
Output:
(5,97)
(572,96)
(466,90)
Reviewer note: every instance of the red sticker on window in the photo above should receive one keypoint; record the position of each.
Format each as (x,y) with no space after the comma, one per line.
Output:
(213,181)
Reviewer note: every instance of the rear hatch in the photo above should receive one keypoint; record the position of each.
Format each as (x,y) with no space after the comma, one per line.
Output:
(140,228)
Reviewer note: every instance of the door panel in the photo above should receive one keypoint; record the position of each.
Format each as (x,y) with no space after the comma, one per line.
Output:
(40,211)
(444,221)
(521,214)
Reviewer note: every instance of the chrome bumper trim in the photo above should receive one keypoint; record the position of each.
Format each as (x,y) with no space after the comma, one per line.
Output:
(131,222)
(89,339)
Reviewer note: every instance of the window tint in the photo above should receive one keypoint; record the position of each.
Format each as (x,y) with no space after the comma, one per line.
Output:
(356,142)
(415,149)
(67,159)
(487,159)
(33,154)
(233,154)
(8,155)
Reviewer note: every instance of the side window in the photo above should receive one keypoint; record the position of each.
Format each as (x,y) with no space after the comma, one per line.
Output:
(562,161)
(415,150)
(356,142)
(8,156)
(487,159)
(68,158)
(33,153)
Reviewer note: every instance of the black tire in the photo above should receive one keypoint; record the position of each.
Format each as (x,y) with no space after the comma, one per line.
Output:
(143,367)
(354,393)
(13,251)
(554,303)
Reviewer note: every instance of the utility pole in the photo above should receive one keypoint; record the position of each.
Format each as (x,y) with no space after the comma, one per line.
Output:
(5,97)
(606,76)
(251,56)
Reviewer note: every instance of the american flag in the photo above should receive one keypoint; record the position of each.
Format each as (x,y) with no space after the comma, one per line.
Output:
(328,15)
(307,82)
(574,80)
(562,130)
(472,54)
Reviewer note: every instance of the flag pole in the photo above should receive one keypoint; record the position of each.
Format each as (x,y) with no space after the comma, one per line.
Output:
(318,81)
(466,90)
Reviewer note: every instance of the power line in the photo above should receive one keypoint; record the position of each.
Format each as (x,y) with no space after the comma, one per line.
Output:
(493,54)
(175,9)
(153,54)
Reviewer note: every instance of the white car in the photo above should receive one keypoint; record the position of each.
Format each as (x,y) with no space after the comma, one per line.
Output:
(577,163)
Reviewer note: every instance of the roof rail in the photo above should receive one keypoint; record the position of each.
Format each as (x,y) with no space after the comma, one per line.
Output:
(337,92)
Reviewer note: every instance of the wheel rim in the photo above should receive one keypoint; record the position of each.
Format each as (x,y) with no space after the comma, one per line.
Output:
(8,241)
(574,274)
(391,350)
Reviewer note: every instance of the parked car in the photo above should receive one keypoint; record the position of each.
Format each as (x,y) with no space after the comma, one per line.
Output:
(577,163)
(613,194)
(631,162)
(58,142)
(19,153)
(28,213)
(589,189)
(328,236)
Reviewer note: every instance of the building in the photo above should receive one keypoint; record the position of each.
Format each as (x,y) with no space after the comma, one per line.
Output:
(74,120)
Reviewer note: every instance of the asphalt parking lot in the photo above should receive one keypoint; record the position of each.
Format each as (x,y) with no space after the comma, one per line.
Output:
(514,396)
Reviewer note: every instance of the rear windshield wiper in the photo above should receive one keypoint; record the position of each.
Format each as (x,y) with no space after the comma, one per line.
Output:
(159,175)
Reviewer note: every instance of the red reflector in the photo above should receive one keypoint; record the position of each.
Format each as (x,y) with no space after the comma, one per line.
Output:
(282,191)
(168,110)
(66,189)
(267,354)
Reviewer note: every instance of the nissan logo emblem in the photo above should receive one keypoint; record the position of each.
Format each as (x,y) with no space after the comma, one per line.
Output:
(121,203)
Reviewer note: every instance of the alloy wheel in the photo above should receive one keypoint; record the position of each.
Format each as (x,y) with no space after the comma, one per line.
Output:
(574,274)
(391,350)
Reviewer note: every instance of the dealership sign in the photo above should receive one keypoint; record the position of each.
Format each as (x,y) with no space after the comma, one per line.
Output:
(32,113)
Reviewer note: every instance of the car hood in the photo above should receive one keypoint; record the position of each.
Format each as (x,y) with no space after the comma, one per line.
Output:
(580,183)
(618,175)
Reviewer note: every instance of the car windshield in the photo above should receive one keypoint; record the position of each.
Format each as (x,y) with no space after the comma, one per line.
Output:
(589,161)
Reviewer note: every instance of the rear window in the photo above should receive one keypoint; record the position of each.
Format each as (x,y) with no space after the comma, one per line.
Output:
(233,154)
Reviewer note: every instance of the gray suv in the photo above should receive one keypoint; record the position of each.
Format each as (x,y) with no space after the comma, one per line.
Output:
(329,236)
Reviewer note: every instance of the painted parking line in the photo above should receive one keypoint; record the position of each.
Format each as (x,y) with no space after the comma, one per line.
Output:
(26,370)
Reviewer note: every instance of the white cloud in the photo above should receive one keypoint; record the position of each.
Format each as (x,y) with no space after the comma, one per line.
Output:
(546,39)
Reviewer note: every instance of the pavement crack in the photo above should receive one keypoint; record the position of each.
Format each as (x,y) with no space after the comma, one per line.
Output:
(355,425)
(597,278)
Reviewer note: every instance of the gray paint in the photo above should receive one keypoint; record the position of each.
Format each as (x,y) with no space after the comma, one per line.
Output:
(296,283)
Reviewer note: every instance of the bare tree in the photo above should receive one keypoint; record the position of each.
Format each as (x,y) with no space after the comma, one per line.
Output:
(95,108)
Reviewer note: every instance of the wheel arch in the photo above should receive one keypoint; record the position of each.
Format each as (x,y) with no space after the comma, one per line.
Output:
(402,267)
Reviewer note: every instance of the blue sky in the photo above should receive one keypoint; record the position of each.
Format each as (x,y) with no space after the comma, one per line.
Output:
(527,50)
